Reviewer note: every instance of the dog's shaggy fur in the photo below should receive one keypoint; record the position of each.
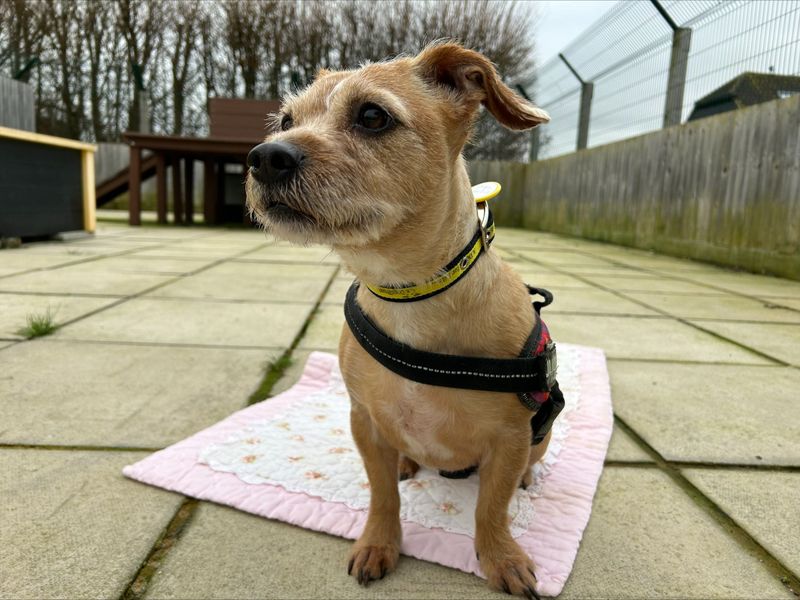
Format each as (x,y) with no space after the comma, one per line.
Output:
(397,206)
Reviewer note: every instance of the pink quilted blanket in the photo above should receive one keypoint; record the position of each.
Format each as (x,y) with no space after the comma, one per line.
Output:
(292,458)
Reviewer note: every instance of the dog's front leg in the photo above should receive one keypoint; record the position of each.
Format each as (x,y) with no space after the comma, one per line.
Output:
(377,550)
(505,564)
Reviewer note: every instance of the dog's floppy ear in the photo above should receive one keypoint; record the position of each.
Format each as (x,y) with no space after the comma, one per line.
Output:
(473,78)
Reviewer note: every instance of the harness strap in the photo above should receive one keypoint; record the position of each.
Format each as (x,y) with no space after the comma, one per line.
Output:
(523,374)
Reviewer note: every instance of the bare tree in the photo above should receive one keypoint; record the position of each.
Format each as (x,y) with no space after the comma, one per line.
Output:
(103,50)
(141,24)
(67,41)
(187,23)
(20,35)
(187,51)
(310,40)
(246,27)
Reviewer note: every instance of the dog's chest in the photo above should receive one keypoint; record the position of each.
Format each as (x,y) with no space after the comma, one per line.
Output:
(422,420)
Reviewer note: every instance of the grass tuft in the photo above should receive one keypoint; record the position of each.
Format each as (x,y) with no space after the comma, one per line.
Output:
(39,324)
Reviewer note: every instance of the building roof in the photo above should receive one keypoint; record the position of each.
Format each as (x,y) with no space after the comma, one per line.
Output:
(745,90)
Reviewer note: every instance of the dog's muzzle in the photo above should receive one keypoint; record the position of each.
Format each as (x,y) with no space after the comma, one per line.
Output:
(272,162)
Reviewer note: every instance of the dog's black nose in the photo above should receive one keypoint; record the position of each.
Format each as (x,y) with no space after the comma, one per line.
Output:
(274,161)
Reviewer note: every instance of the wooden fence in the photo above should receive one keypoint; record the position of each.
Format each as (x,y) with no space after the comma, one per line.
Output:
(725,189)
(17,105)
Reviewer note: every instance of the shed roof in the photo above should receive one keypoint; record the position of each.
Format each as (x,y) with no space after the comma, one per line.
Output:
(745,90)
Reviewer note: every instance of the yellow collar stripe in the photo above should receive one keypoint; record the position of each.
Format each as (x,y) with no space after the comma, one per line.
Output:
(437,284)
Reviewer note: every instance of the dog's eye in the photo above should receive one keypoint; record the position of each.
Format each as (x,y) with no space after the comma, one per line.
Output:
(286,123)
(373,118)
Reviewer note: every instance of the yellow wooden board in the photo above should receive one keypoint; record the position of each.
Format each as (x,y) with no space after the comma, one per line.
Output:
(50,140)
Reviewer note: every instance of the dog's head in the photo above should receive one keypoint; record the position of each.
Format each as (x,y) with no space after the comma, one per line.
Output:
(358,153)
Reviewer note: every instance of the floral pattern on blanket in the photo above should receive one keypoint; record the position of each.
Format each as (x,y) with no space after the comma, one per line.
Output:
(309,449)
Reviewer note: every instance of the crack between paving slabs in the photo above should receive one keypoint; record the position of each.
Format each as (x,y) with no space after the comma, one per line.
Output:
(660,274)
(77,448)
(137,587)
(738,533)
(87,259)
(653,308)
(141,293)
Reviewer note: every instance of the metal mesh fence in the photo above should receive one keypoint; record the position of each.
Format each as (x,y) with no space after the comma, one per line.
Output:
(626,56)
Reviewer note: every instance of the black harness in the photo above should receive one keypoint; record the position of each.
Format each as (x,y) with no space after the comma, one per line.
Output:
(532,376)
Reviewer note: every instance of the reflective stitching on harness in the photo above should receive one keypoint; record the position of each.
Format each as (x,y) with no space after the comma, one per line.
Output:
(362,336)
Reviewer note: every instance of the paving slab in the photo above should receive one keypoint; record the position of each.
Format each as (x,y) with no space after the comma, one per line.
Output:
(644,282)
(136,264)
(763,502)
(728,307)
(593,301)
(535,240)
(230,554)
(324,330)
(647,539)
(564,258)
(73,527)
(253,281)
(748,284)
(646,338)
(543,277)
(121,395)
(20,260)
(604,272)
(222,246)
(711,413)
(179,251)
(656,262)
(15,309)
(623,448)
(82,279)
(282,252)
(778,340)
(203,322)
(338,290)
(61,252)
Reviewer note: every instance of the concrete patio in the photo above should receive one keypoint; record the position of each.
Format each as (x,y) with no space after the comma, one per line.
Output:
(165,330)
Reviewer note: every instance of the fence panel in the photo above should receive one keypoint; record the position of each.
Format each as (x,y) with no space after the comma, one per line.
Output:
(724,189)
(627,56)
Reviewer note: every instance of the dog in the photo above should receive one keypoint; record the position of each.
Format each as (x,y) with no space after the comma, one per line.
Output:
(369,161)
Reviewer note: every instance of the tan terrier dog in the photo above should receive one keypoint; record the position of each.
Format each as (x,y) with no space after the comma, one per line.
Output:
(369,162)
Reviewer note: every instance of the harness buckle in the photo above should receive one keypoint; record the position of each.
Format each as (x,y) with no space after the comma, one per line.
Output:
(551,363)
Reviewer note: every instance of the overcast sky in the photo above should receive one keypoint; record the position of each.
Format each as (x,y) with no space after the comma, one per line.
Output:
(561,21)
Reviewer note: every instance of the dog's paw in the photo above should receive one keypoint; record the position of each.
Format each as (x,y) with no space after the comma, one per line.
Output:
(371,561)
(526,479)
(407,468)
(512,574)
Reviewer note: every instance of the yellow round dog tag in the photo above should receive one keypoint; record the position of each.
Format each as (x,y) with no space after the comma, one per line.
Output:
(485,191)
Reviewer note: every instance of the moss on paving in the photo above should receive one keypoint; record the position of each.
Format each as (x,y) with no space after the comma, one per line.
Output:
(274,372)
